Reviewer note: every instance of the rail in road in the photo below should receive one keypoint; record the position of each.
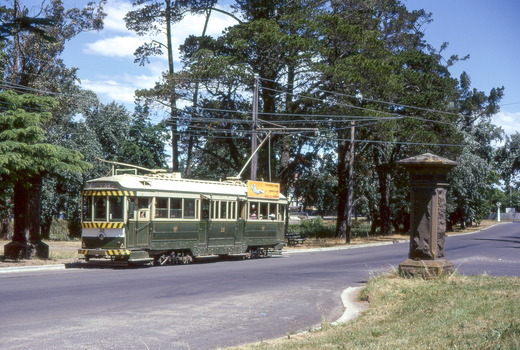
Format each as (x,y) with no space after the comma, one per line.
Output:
(219,303)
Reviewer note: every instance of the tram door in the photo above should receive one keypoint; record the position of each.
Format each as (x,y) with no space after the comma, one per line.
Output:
(139,214)
(204,222)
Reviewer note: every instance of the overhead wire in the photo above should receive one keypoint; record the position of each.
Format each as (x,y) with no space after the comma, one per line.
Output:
(361,118)
(374,100)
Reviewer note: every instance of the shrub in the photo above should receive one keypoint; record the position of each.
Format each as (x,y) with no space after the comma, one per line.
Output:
(317,228)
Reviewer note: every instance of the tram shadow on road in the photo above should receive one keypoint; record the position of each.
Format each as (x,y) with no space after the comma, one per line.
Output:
(116,265)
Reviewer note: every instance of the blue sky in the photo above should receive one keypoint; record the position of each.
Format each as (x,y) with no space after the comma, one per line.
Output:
(489,31)
(486,30)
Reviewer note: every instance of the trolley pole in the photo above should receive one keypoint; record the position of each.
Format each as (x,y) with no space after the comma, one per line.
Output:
(254,161)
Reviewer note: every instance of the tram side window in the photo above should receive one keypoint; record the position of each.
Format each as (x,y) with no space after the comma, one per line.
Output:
(116,208)
(272,211)
(214,209)
(223,209)
(263,211)
(143,203)
(282,212)
(175,208)
(232,210)
(189,208)
(100,208)
(242,210)
(205,208)
(253,207)
(161,208)
(131,208)
(87,208)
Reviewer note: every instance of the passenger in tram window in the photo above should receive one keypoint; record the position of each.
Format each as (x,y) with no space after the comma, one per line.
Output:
(253,213)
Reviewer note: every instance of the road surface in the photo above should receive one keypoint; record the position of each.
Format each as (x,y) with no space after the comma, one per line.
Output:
(215,303)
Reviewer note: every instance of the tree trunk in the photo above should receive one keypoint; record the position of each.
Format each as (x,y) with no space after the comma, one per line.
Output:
(346,186)
(45,227)
(5,229)
(189,158)
(26,243)
(385,180)
(173,97)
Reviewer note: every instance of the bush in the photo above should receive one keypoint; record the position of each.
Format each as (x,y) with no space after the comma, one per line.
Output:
(59,231)
(316,228)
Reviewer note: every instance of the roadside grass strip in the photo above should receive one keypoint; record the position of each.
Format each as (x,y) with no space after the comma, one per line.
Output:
(453,312)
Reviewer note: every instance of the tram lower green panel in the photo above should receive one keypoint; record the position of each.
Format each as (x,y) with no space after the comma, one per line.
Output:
(262,233)
(175,235)
(222,233)
(105,243)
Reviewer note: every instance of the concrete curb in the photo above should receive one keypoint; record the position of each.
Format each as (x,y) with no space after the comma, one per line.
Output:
(296,251)
(482,229)
(352,308)
(32,268)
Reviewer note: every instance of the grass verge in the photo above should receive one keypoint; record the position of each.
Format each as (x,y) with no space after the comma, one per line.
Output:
(357,238)
(59,252)
(453,312)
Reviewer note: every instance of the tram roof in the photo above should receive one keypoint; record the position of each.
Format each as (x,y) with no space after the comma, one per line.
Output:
(163,182)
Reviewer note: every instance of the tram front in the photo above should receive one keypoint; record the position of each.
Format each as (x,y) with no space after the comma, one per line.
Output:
(104,232)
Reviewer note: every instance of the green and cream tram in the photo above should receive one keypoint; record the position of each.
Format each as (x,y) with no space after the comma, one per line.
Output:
(163,218)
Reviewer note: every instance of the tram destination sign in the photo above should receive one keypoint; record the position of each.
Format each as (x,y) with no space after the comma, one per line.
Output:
(101,185)
(259,189)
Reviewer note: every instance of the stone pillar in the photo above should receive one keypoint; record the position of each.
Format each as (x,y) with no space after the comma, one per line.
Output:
(428,185)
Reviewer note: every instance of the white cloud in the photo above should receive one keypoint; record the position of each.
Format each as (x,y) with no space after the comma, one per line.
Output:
(118,46)
(116,11)
(116,42)
(111,90)
(508,121)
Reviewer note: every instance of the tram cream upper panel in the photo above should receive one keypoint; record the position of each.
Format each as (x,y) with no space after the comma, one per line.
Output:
(151,184)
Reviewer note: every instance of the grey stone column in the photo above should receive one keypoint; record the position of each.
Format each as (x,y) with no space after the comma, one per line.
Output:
(428,184)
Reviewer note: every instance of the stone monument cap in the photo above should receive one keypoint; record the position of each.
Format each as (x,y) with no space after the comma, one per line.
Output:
(428,161)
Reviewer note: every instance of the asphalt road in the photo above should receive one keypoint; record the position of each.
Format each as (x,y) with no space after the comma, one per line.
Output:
(215,303)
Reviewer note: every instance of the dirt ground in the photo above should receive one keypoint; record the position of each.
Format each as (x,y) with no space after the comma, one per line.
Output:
(67,252)
(60,252)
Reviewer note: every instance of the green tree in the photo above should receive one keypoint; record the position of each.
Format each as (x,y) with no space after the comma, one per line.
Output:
(25,158)
(469,190)
(144,145)
(30,58)
(154,17)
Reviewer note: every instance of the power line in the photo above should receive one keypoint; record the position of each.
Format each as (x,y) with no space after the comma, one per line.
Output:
(361,108)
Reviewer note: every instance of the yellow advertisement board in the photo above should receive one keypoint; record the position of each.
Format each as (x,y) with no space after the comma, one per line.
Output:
(259,189)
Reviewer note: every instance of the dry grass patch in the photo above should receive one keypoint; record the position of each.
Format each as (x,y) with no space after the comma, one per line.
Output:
(484,224)
(312,242)
(453,312)
(59,252)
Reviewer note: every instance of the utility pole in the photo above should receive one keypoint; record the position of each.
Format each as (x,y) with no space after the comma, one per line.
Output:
(350,181)
(254,161)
